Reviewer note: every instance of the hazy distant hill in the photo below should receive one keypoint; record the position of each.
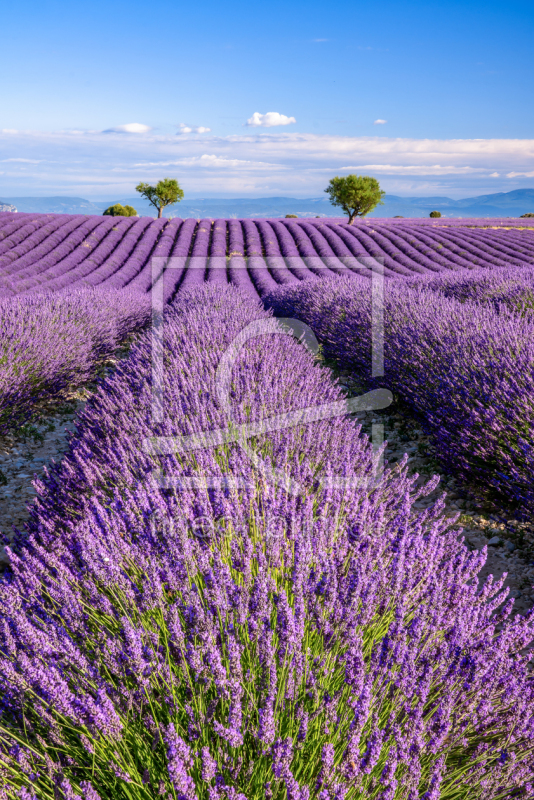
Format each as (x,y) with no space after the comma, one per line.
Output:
(502,204)
(54,205)
(239,207)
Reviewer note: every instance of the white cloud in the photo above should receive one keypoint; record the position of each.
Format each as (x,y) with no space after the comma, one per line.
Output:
(20,161)
(8,130)
(320,40)
(495,175)
(415,169)
(269,120)
(380,122)
(130,127)
(206,160)
(520,175)
(183,128)
(219,161)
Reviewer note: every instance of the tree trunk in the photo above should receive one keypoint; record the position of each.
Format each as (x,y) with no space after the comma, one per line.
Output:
(160,212)
(352,217)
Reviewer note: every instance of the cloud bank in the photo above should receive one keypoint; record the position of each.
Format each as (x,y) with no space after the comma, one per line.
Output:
(255,163)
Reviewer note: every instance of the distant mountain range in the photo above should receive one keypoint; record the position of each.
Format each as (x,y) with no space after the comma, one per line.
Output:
(502,204)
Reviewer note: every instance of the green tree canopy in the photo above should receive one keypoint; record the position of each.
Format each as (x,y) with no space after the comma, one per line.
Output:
(357,195)
(435,214)
(165,193)
(120,211)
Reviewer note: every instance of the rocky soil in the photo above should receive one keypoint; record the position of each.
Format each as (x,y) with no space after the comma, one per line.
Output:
(23,455)
(26,451)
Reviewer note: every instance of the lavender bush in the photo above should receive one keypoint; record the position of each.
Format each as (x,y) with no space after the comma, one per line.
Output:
(511,287)
(465,369)
(245,641)
(51,342)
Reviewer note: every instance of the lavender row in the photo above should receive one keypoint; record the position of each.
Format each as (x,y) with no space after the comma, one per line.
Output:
(237,272)
(211,633)
(145,278)
(511,288)
(15,233)
(132,265)
(67,267)
(443,222)
(52,343)
(466,369)
(199,252)
(124,250)
(47,252)
(25,272)
(94,267)
(444,245)
(261,277)
(217,272)
(446,222)
(99,248)
(37,244)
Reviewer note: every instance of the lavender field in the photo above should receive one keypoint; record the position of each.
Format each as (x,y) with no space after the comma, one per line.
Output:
(220,591)
(40,252)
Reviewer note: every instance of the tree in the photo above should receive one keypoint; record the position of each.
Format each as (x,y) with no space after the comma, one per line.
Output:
(291,216)
(120,211)
(435,214)
(165,193)
(357,195)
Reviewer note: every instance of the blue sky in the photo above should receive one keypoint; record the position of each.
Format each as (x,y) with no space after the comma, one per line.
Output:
(432,98)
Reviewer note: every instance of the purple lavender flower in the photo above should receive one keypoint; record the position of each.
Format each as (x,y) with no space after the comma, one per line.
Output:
(179,762)
(360,623)
(88,791)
